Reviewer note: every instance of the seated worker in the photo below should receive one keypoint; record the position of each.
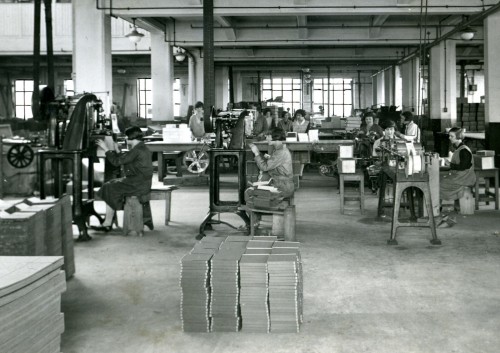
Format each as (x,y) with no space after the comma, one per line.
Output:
(262,126)
(278,165)
(300,124)
(389,129)
(138,168)
(196,123)
(461,174)
(411,130)
(368,133)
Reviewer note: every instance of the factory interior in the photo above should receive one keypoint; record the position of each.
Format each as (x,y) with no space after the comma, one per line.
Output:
(299,176)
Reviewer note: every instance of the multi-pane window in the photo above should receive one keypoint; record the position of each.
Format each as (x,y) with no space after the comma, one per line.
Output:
(69,88)
(336,97)
(145,97)
(23,93)
(289,89)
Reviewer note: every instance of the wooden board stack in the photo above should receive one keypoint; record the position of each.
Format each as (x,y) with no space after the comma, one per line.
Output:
(30,304)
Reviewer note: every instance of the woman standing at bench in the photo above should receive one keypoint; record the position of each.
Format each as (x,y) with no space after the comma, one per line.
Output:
(138,168)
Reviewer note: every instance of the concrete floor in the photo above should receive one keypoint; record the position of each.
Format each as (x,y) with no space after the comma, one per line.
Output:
(360,295)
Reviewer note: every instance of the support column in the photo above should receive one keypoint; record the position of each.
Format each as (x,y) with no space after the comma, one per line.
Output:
(238,86)
(221,87)
(409,74)
(374,90)
(381,89)
(398,87)
(198,79)
(162,77)
(191,81)
(443,85)
(389,87)
(92,66)
(492,83)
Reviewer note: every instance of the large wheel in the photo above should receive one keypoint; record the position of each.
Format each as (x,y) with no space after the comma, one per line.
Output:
(20,156)
(195,161)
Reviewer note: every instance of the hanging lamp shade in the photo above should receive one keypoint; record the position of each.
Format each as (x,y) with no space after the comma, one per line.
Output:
(134,36)
(467,33)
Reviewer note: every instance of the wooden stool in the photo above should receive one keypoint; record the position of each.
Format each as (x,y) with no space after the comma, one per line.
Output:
(164,193)
(488,195)
(132,218)
(358,176)
(162,165)
(467,202)
(283,221)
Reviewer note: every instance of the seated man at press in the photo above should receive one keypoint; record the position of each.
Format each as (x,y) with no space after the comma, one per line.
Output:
(278,165)
(369,132)
(411,129)
(138,168)
(389,127)
(460,173)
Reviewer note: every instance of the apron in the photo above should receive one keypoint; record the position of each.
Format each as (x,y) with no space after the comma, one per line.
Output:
(453,182)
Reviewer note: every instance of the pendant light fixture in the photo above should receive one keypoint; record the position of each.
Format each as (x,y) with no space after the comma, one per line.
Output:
(134,36)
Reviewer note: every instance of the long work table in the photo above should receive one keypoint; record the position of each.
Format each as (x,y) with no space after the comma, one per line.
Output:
(321,146)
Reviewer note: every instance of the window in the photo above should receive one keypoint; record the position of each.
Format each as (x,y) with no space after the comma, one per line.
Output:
(69,88)
(335,98)
(289,89)
(23,93)
(145,97)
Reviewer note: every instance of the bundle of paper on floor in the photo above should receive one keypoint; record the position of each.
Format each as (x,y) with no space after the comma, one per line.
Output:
(254,293)
(195,291)
(224,306)
(285,289)
(30,304)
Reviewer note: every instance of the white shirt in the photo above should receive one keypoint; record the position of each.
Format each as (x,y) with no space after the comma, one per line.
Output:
(412,132)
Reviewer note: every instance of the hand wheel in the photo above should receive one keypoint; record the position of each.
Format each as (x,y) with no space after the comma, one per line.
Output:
(20,156)
(195,161)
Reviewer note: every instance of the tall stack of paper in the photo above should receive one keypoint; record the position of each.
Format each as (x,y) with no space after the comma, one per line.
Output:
(224,308)
(285,288)
(254,293)
(30,304)
(195,292)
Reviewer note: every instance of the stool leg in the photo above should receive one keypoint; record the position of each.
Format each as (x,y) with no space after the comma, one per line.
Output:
(168,203)
(252,223)
(160,166)
(496,190)
(289,219)
(341,184)
(487,188)
(476,194)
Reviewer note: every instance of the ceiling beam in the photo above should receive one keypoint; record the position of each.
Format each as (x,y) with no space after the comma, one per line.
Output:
(302,24)
(227,23)
(376,23)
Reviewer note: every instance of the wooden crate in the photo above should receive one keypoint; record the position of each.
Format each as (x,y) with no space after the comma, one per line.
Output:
(22,233)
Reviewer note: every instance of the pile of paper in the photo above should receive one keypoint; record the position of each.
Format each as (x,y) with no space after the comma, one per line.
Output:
(195,292)
(224,308)
(285,287)
(254,293)
(30,304)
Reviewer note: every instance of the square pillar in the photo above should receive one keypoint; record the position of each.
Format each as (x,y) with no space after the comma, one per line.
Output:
(443,85)
(492,83)
(409,75)
(162,77)
(389,86)
(92,65)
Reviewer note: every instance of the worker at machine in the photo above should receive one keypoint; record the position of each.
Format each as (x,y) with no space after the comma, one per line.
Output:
(300,124)
(278,165)
(411,129)
(138,167)
(461,169)
(389,131)
(196,123)
(262,126)
(369,132)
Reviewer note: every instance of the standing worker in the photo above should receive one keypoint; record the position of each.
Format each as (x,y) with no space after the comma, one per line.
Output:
(411,130)
(196,123)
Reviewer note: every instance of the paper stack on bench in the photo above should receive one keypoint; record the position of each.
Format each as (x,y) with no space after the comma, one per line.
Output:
(263,196)
(30,304)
